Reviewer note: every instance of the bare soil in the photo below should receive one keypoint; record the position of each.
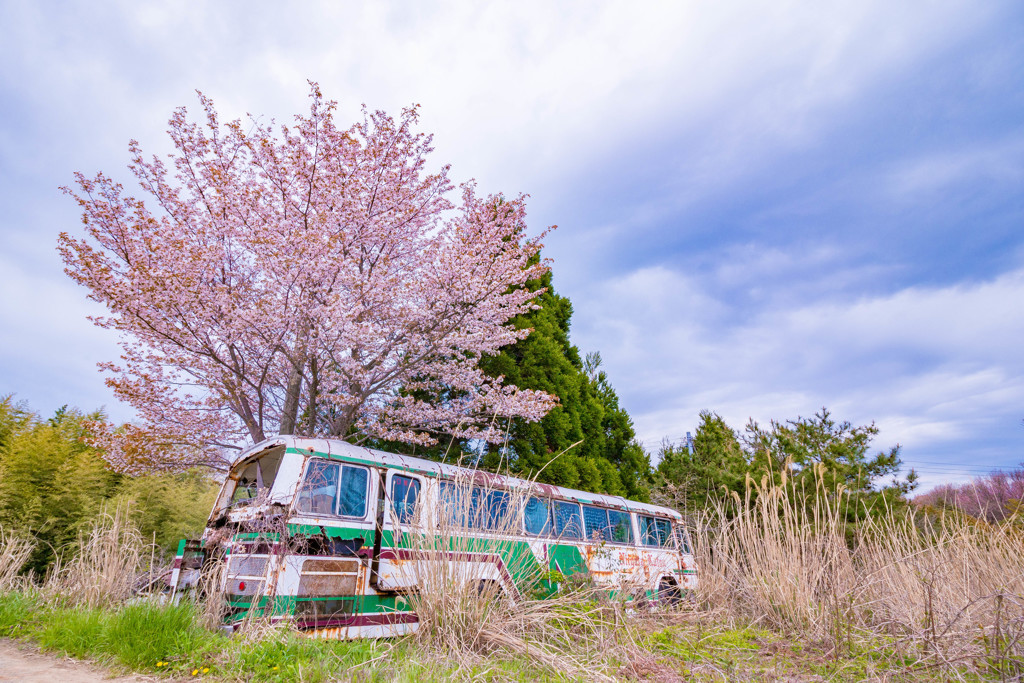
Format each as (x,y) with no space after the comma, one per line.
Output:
(22,664)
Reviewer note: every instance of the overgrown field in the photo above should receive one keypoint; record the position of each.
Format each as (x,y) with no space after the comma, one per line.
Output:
(172,641)
(789,591)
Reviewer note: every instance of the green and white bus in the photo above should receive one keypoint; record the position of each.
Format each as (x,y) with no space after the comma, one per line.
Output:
(330,535)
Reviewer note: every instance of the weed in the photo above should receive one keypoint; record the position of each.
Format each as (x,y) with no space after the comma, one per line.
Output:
(14,553)
(73,632)
(16,609)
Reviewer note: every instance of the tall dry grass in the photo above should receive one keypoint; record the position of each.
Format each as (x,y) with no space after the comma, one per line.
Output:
(941,590)
(469,611)
(14,553)
(105,565)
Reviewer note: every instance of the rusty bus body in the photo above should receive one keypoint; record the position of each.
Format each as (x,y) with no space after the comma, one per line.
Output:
(318,532)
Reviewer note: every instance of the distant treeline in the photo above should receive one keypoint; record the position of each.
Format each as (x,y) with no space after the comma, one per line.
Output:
(995,497)
(52,484)
(806,454)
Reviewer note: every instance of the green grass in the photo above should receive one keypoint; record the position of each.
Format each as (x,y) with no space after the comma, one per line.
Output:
(16,609)
(170,641)
(134,636)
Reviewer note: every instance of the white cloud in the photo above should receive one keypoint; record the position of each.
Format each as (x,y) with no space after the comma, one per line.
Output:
(678,102)
(519,93)
(930,365)
(48,350)
(1000,162)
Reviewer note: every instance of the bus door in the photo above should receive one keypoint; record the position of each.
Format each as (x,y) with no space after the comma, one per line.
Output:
(396,570)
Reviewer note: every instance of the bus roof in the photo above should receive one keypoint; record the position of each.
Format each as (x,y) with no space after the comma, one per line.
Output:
(343,450)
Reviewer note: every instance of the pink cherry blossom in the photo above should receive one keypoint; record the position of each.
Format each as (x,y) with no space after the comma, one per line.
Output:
(309,280)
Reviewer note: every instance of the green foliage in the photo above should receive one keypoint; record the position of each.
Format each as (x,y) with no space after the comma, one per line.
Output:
(819,451)
(586,441)
(52,484)
(811,453)
(715,467)
(168,507)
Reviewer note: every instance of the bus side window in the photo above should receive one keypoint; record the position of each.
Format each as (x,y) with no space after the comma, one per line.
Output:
(495,514)
(567,520)
(619,526)
(537,516)
(596,521)
(664,532)
(453,508)
(655,532)
(319,491)
(352,495)
(404,493)
(681,538)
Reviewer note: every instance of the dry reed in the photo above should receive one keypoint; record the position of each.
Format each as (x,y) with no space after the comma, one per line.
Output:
(945,592)
(473,610)
(14,553)
(104,568)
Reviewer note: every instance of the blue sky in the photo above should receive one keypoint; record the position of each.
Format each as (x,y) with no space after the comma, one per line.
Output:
(763,208)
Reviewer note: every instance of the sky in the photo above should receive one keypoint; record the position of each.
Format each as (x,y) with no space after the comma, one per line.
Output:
(764,208)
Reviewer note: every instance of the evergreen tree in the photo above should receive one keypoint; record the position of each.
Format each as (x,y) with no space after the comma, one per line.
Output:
(50,481)
(813,455)
(820,451)
(52,484)
(587,441)
(689,479)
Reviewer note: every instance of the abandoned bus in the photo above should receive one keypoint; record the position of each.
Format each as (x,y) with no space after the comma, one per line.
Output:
(324,534)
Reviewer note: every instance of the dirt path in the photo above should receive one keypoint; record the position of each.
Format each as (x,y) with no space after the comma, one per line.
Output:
(22,664)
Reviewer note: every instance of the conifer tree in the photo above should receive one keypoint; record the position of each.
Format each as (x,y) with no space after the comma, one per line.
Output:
(587,440)
(821,451)
(690,478)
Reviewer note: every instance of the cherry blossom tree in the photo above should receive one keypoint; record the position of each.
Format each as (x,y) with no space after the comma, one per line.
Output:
(309,280)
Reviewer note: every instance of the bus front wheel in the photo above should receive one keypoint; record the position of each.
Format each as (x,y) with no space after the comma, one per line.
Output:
(669,593)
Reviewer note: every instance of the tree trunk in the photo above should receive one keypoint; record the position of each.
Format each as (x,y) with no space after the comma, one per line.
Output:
(309,426)
(290,413)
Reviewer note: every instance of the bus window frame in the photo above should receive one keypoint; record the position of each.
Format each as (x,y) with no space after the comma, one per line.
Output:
(337,490)
(557,535)
(417,501)
(683,542)
(655,518)
(629,517)
(608,525)
(549,525)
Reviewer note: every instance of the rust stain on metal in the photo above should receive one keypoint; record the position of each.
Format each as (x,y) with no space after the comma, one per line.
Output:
(330,565)
(323,585)
(337,633)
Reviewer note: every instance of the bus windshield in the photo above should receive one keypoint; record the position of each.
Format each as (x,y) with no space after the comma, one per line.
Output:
(256,477)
